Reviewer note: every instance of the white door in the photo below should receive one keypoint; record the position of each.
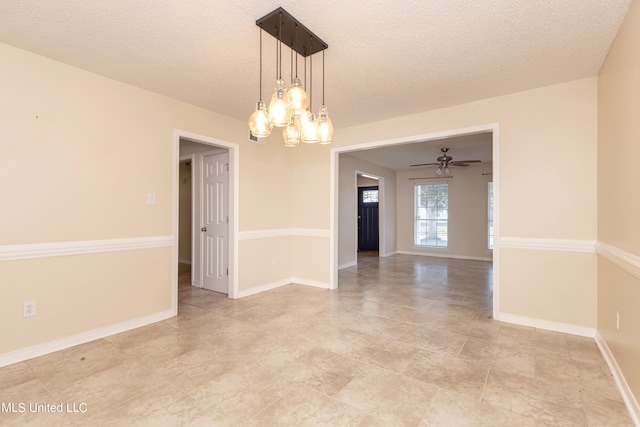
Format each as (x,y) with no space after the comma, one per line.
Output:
(215,221)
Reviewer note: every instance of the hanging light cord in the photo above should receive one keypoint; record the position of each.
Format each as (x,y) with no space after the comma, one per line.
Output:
(310,75)
(296,44)
(260,97)
(323,77)
(277,58)
(280,49)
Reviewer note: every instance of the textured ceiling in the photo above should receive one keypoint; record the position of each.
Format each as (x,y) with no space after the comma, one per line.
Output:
(385,58)
(398,157)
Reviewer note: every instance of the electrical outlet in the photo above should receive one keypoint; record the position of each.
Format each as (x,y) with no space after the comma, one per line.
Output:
(617,320)
(274,262)
(28,308)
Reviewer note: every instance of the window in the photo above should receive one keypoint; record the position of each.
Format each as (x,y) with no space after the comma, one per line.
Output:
(432,213)
(370,196)
(490,216)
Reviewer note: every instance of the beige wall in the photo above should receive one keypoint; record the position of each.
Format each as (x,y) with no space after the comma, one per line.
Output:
(75,294)
(265,185)
(619,199)
(468,218)
(310,212)
(310,260)
(81,152)
(572,301)
(310,198)
(271,261)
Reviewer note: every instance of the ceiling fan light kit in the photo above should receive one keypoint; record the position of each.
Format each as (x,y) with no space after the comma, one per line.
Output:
(292,109)
(445,161)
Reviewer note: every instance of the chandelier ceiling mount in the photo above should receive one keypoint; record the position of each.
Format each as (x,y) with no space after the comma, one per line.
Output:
(271,23)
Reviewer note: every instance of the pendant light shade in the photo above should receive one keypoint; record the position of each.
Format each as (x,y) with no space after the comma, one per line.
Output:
(297,97)
(291,134)
(325,127)
(309,132)
(260,123)
(279,108)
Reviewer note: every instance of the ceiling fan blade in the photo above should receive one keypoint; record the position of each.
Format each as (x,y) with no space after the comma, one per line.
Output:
(426,164)
(464,165)
(466,161)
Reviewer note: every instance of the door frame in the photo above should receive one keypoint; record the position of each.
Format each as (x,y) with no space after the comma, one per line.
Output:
(382,247)
(494,128)
(358,217)
(234,173)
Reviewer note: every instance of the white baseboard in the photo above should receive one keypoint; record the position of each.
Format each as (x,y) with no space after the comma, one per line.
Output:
(81,338)
(625,391)
(347,264)
(262,288)
(283,282)
(355,262)
(548,325)
(309,282)
(446,255)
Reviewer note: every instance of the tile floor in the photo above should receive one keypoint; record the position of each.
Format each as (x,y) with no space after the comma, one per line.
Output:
(404,341)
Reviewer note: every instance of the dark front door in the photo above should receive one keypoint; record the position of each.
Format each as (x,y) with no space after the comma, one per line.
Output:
(368,218)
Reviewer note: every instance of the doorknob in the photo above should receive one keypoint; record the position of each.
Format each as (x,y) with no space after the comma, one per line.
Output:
(203,229)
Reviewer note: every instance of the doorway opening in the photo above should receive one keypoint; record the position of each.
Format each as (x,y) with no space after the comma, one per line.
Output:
(205,214)
(368,220)
(185,208)
(376,154)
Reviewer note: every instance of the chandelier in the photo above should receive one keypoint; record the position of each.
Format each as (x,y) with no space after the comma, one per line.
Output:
(291,109)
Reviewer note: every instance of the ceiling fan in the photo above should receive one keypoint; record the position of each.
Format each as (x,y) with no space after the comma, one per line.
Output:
(445,160)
